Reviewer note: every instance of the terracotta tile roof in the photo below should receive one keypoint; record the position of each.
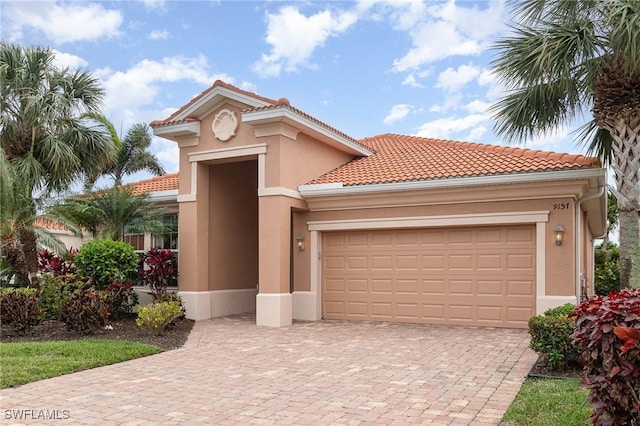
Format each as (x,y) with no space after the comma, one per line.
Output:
(44,223)
(399,158)
(218,83)
(160,183)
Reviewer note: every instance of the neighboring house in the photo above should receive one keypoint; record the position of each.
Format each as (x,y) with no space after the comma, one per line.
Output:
(162,191)
(283,215)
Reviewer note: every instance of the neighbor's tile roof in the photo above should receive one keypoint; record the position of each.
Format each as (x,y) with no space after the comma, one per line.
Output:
(160,183)
(218,83)
(51,225)
(399,158)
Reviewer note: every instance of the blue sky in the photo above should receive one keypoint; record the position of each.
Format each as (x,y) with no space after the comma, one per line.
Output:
(365,68)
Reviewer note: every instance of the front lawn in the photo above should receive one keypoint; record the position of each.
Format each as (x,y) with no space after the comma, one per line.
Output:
(31,361)
(549,402)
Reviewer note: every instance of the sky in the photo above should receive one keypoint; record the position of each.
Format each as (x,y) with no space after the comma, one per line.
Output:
(363,67)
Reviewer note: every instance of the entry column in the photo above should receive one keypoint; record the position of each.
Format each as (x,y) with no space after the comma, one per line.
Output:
(273,302)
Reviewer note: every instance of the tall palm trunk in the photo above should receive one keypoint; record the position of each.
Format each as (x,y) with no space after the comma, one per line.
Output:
(626,167)
(14,255)
(30,250)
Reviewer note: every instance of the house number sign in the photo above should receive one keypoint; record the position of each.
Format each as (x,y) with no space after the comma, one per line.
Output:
(560,206)
(224,125)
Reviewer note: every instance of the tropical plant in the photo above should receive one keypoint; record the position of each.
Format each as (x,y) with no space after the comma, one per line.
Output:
(159,272)
(111,213)
(105,262)
(44,135)
(133,155)
(569,59)
(17,219)
(607,334)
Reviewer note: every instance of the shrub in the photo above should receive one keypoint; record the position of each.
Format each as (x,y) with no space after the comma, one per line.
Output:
(54,289)
(159,272)
(57,265)
(172,297)
(157,316)
(20,307)
(610,355)
(564,310)
(85,310)
(607,269)
(551,336)
(121,298)
(106,261)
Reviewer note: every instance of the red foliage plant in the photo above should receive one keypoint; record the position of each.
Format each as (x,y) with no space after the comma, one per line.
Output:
(159,272)
(608,336)
(55,264)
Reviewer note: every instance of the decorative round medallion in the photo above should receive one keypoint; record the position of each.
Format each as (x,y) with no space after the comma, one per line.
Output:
(224,125)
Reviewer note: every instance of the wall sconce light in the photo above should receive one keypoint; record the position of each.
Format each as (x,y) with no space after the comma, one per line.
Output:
(300,242)
(559,231)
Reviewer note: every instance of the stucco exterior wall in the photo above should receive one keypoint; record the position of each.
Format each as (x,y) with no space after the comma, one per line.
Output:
(560,260)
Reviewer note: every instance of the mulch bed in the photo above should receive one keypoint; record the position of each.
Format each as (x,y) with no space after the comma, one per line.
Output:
(541,370)
(124,328)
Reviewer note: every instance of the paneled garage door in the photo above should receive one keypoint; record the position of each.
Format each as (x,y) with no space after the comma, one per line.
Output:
(466,276)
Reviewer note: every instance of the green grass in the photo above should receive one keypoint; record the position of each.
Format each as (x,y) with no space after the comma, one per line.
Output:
(549,402)
(28,362)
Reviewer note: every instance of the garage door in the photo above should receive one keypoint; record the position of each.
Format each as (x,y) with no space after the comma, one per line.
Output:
(465,276)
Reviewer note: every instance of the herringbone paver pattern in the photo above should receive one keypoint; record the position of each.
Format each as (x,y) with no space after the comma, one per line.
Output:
(232,372)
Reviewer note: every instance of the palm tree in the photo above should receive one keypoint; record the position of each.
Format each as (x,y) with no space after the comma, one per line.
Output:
(570,59)
(43,135)
(111,213)
(17,217)
(133,155)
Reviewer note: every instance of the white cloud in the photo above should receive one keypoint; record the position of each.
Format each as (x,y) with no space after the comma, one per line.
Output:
(451,127)
(167,153)
(159,35)
(293,38)
(130,90)
(154,4)
(67,60)
(453,80)
(63,22)
(477,107)
(397,113)
(448,29)
(495,90)
(410,81)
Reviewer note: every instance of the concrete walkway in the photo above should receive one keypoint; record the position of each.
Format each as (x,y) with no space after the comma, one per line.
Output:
(232,372)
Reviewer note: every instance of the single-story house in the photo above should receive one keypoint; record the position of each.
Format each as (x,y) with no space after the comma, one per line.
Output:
(283,215)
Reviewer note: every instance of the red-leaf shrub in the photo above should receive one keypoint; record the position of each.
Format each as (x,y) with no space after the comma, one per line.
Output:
(121,298)
(86,310)
(159,272)
(607,335)
(55,264)
(20,308)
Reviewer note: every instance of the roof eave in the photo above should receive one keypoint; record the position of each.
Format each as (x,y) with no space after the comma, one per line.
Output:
(596,177)
(298,121)
(177,130)
(218,94)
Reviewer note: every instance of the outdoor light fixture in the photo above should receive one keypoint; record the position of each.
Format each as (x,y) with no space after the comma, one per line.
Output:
(300,242)
(559,231)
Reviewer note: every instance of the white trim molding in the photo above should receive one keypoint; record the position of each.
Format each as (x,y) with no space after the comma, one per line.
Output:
(227,153)
(279,191)
(431,221)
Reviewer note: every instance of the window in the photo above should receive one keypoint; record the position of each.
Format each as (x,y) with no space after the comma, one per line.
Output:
(136,241)
(169,239)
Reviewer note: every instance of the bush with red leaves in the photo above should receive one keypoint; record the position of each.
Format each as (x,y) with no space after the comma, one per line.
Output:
(608,336)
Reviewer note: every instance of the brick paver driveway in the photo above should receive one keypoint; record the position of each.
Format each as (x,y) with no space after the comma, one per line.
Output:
(330,372)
